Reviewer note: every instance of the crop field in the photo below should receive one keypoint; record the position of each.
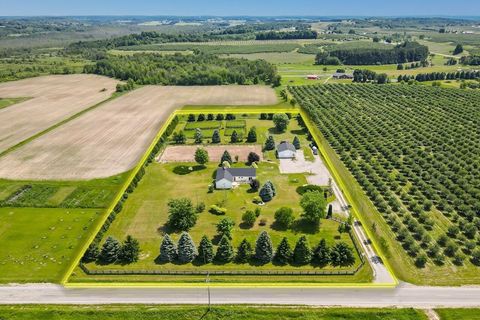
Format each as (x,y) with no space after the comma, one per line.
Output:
(39,244)
(184,312)
(414,152)
(110,139)
(218,49)
(53,99)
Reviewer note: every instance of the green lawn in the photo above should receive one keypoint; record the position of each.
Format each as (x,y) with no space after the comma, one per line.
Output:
(458,314)
(244,312)
(145,213)
(6,102)
(39,244)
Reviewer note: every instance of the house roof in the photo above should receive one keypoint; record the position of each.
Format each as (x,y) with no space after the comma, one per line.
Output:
(229,173)
(283,146)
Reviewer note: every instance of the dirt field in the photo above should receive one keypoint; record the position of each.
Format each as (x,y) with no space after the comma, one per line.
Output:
(187,153)
(110,139)
(54,98)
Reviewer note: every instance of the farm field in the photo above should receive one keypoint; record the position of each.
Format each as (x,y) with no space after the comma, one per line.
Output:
(53,99)
(419,190)
(39,244)
(130,312)
(109,140)
(145,213)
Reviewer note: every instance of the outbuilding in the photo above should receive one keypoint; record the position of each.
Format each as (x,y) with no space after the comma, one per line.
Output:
(286,150)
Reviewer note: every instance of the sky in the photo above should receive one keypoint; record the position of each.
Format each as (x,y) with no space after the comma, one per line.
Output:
(241,7)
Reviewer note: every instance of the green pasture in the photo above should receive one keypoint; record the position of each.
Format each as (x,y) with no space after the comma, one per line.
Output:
(458,314)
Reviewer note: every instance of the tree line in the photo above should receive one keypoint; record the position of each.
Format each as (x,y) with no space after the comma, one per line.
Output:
(433,76)
(284,35)
(178,69)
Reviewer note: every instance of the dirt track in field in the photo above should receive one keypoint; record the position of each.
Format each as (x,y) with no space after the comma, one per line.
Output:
(111,139)
(54,98)
(187,153)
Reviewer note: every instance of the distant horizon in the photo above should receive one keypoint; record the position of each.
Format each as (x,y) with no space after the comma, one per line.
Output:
(239,8)
(244,16)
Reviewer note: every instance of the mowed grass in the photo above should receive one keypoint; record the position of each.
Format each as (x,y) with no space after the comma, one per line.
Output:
(244,312)
(145,214)
(39,244)
(6,102)
(458,314)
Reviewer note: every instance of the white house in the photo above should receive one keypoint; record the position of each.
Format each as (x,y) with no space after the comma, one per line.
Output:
(226,178)
(286,150)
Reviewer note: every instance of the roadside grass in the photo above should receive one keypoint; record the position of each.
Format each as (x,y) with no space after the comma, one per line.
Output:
(145,214)
(184,312)
(401,263)
(38,245)
(6,102)
(458,314)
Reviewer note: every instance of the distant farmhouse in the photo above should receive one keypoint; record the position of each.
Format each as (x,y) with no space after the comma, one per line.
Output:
(286,150)
(313,77)
(342,75)
(227,178)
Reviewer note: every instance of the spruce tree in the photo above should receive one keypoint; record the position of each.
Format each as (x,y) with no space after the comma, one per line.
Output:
(252,135)
(342,255)
(264,248)
(92,253)
(296,143)
(266,193)
(198,136)
(168,250)
(234,137)
(224,251)
(272,187)
(302,254)
(321,254)
(244,252)
(329,212)
(205,250)
(187,251)
(270,143)
(130,250)
(110,250)
(216,136)
(226,157)
(283,254)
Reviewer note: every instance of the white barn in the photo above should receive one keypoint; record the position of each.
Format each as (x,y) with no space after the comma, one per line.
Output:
(286,150)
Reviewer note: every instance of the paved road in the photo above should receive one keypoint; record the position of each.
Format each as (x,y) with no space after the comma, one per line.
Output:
(402,296)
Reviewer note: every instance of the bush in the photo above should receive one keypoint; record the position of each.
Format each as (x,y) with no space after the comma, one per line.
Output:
(216,210)
(200,207)
(252,135)
(284,217)
(308,188)
(249,218)
(263,248)
(257,200)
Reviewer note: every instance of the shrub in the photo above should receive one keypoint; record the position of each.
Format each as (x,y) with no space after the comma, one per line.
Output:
(476,257)
(187,251)
(249,218)
(179,137)
(284,217)
(244,252)
(216,136)
(257,199)
(205,250)
(220,117)
(421,261)
(253,157)
(234,137)
(270,143)
(201,117)
(181,214)
(224,251)
(309,187)
(252,135)
(198,136)
(302,254)
(168,250)
(255,184)
(283,254)
(263,248)
(296,143)
(200,207)
(214,209)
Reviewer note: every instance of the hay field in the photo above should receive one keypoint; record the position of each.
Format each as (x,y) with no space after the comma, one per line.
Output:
(111,139)
(54,98)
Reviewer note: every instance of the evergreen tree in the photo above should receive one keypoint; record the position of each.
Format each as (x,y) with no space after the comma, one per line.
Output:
(302,254)
(244,252)
(329,212)
(264,248)
(342,255)
(225,226)
(321,254)
(191,118)
(226,157)
(234,137)
(266,193)
(252,135)
(224,251)
(168,250)
(255,184)
(92,253)
(201,156)
(205,250)
(110,250)
(201,117)
(210,117)
(130,250)
(283,254)
(216,136)
(179,138)
(270,183)
(187,251)
(198,136)
(270,143)
(296,143)
(458,49)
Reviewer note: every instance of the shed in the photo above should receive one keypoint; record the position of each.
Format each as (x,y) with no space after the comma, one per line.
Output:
(286,150)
